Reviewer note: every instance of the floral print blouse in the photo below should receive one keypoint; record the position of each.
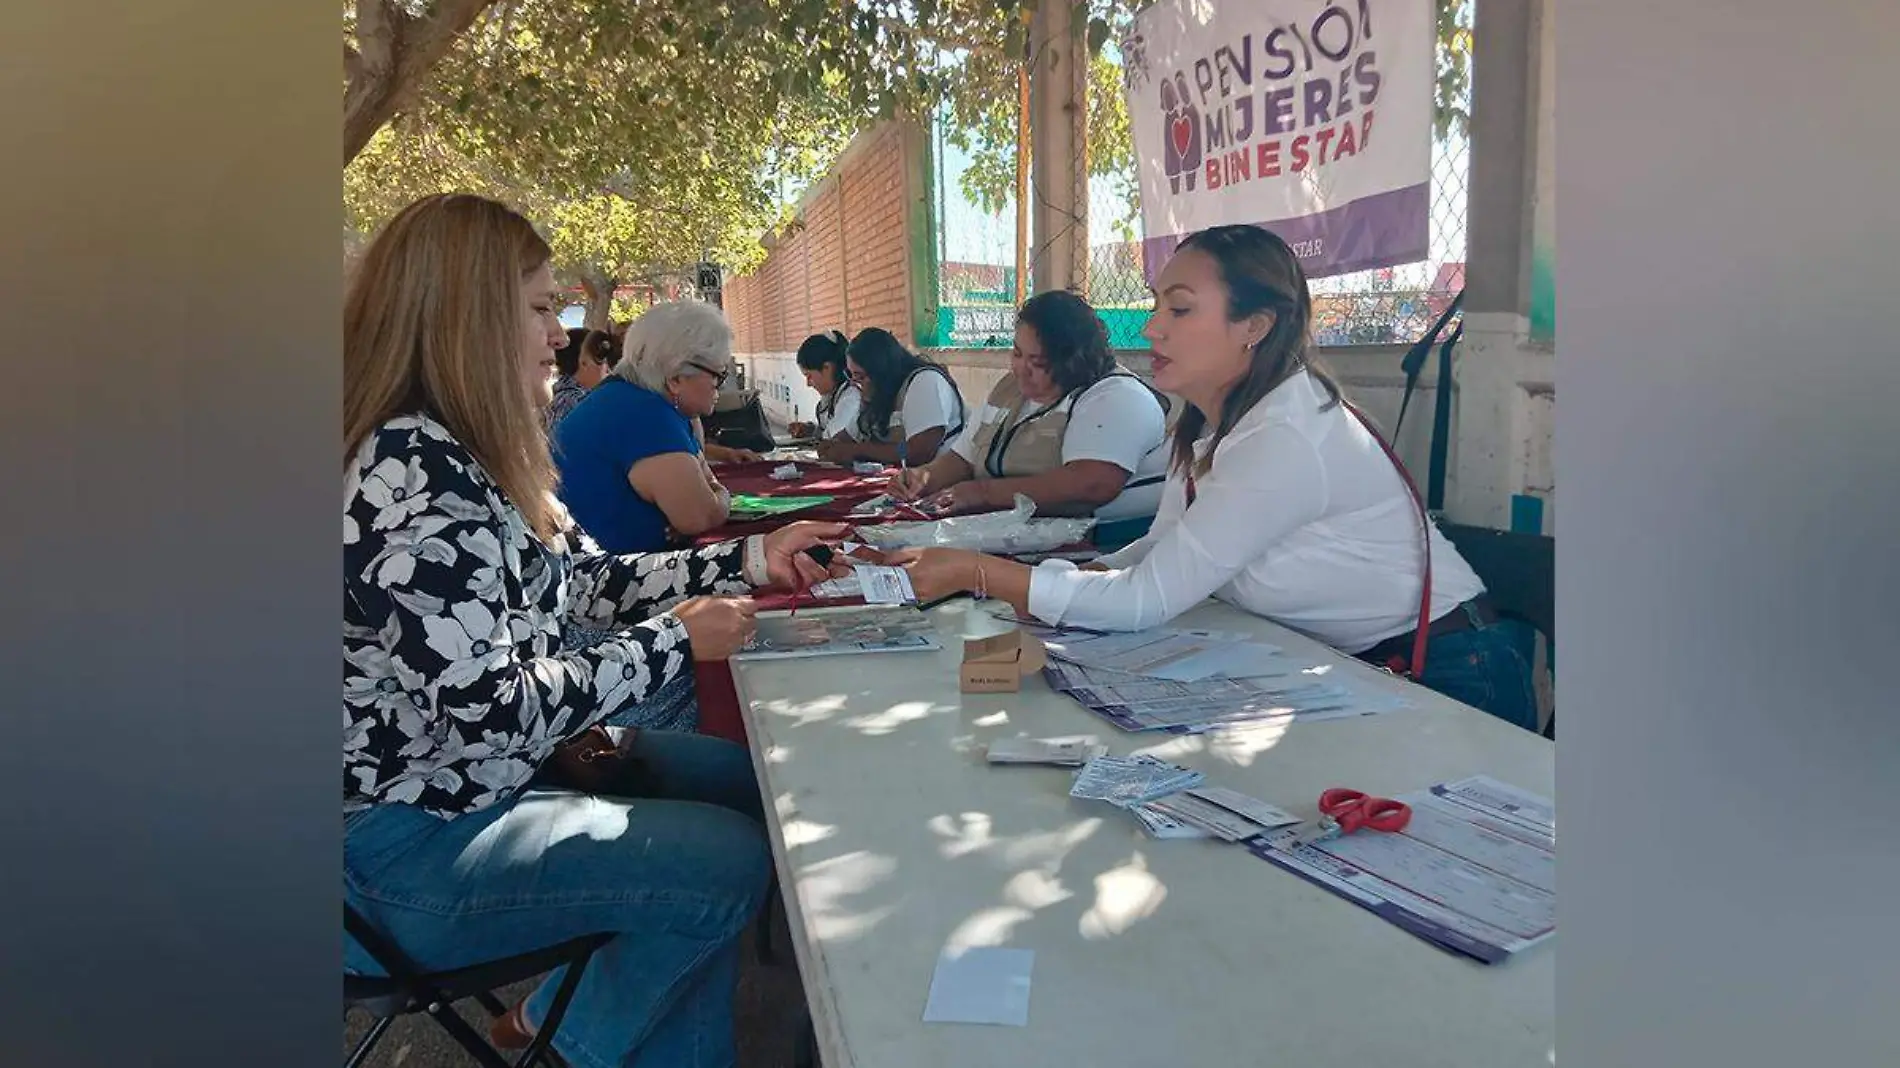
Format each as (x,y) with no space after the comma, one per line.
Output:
(455,683)
(567,394)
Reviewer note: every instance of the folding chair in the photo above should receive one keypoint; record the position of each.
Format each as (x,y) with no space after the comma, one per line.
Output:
(1519,571)
(408,990)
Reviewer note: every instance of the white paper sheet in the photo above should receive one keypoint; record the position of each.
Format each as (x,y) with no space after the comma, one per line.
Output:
(981,985)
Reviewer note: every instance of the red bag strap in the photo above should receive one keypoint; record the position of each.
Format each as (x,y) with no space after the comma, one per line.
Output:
(1422,633)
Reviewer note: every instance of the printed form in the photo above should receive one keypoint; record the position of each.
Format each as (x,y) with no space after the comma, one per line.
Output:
(1475,871)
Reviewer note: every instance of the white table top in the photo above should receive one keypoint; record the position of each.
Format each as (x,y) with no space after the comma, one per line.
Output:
(894,840)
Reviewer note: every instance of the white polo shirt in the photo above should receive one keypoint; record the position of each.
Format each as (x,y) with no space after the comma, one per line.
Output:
(1302,520)
(1117,421)
(844,417)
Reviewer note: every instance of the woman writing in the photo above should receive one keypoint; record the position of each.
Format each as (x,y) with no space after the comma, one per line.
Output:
(1066,428)
(455,597)
(821,359)
(911,408)
(631,461)
(1279,499)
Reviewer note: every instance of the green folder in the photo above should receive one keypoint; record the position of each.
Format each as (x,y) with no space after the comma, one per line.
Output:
(748,506)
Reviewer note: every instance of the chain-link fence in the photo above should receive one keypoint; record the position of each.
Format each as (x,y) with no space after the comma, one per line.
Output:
(976,256)
(1393,305)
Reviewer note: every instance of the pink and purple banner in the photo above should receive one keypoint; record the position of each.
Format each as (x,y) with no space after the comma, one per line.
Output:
(1312,118)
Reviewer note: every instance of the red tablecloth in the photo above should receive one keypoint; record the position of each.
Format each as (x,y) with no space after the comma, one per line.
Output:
(848,490)
(719,713)
(718,696)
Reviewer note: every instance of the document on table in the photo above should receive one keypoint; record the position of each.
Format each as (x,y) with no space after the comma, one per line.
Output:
(1067,752)
(884,585)
(981,985)
(1179,655)
(1474,871)
(1305,692)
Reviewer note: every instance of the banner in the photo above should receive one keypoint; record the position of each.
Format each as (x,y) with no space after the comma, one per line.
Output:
(1312,118)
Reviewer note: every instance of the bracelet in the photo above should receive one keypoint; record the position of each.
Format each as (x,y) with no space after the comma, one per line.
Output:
(754,567)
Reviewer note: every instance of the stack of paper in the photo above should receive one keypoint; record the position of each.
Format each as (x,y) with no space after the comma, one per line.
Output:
(1130,781)
(1474,871)
(1140,703)
(1167,653)
(1226,814)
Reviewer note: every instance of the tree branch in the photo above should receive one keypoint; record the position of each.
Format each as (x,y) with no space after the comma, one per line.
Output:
(396,52)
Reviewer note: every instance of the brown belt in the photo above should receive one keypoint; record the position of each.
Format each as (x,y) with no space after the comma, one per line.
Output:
(1470,615)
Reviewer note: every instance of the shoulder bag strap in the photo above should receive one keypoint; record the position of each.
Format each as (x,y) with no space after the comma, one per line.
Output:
(1421,634)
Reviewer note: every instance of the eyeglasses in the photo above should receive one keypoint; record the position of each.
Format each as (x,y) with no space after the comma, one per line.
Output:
(718,377)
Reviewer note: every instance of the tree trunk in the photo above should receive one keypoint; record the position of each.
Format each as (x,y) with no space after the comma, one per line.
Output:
(599,288)
(394,52)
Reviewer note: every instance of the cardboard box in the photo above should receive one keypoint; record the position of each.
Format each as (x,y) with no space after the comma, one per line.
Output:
(999,663)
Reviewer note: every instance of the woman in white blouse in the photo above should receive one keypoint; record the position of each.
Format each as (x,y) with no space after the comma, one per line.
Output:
(1066,427)
(821,359)
(910,408)
(1279,499)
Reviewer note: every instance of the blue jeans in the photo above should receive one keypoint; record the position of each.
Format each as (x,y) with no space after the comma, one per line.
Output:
(678,874)
(1483,668)
(673,707)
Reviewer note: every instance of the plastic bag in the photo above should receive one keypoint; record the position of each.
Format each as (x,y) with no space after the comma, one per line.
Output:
(1005,533)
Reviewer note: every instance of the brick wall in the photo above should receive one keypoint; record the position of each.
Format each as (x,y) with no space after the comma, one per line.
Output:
(845,264)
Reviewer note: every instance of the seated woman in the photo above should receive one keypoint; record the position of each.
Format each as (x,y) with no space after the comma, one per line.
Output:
(1280,500)
(632,467)
(821,359)
(581,364)
(1066,427)
(911,408)
(455,596)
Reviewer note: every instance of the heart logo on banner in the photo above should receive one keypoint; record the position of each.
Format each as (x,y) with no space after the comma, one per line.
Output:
(1181,130)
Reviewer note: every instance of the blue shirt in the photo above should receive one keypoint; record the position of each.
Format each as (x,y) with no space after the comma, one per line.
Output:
(617,426)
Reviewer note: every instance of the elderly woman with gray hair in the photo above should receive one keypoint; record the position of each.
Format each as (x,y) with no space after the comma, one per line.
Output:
(632,466)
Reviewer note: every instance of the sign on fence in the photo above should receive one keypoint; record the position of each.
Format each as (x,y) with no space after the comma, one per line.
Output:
(1312,118)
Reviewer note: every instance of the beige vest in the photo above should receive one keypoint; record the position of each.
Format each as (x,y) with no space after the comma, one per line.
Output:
(896,432)
(1009,444)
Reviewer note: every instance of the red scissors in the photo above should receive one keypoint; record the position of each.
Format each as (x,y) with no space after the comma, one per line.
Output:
(1344,811)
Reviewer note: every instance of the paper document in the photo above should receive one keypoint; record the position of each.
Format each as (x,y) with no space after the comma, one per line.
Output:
(828,632)
(981,985)
(884,585)
(1165,653)
(1131,781)
(1253,810)
(1161,823)
(1474,871)
(1208,818)
(1072,752)
(1142,703)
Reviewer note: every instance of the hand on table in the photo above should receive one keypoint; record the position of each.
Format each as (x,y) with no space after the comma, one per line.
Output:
(740,456)
(938,573)
(717,627)
(790,567)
